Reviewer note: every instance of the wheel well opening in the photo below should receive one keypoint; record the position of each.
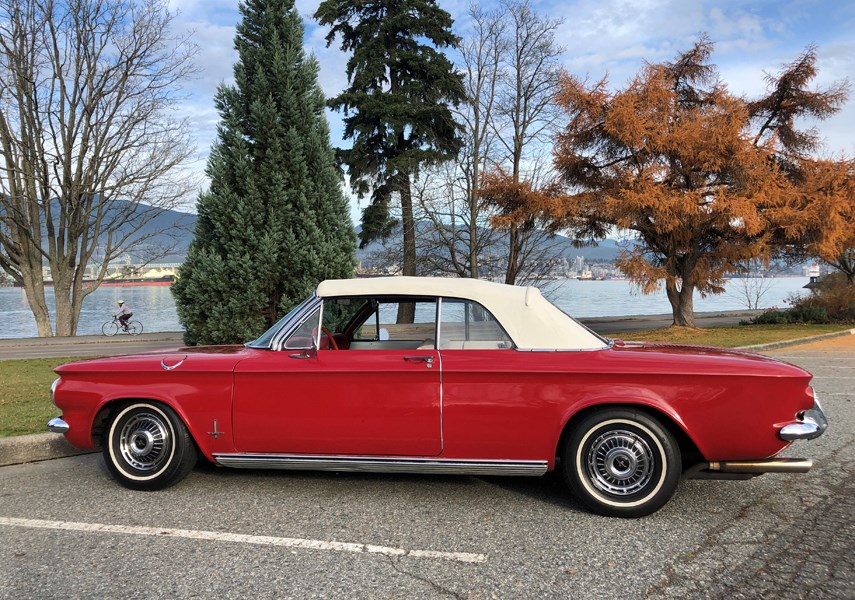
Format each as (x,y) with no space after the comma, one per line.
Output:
(688,450)
(99,424)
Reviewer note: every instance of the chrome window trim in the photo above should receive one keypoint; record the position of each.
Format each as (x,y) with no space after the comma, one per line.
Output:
(289,327)
(470,301)
(441,371)
(437,332)
(562,349)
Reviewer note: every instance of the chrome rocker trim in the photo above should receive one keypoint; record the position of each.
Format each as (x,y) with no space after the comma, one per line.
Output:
(368,464)
(811,424)
(57,425)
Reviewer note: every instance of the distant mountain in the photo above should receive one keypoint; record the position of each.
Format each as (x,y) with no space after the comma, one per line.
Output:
(561,246)
(174,228)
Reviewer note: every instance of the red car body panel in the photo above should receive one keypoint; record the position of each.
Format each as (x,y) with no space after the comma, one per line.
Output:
(464,404)
(369,402)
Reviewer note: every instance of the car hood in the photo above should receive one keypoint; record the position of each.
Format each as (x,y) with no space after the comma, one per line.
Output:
(202,358)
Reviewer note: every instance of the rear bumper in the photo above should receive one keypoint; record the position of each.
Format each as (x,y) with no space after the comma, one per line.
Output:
(811,424)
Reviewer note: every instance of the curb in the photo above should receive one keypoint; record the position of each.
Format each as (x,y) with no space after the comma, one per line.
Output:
(37,447)
(31,342)
(797,342)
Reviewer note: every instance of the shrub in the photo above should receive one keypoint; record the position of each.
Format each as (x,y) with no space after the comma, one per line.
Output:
(770,317)
(808,314)
(833,298)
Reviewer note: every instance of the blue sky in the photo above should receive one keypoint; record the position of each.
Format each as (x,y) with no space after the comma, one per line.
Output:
(600,36)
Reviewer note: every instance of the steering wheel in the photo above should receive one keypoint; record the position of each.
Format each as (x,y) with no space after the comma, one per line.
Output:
(330,337)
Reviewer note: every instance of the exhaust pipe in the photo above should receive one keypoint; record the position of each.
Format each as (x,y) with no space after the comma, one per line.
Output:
(739,469)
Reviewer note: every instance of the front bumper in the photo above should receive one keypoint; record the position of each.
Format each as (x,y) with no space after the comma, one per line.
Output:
(57,425)
(811,424)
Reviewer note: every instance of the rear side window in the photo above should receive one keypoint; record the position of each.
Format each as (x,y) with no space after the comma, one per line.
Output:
(468,325)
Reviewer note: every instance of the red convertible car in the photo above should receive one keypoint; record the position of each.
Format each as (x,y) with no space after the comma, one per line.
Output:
(427,375)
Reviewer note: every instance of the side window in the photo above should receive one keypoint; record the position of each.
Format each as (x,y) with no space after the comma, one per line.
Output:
(339,312)
(304,336)
(468,325)
(399,321)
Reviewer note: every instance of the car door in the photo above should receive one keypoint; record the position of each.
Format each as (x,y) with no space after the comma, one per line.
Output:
(377,394)
(498,403)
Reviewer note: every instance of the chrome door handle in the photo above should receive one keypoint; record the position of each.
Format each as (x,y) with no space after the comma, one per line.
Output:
(424,359)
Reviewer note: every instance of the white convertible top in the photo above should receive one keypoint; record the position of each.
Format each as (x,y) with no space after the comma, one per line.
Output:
(531,321)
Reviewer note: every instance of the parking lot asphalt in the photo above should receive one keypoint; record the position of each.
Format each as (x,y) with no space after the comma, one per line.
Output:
(67,530)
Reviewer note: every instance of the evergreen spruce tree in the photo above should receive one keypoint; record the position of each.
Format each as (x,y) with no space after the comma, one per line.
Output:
(275,221)
(397,104)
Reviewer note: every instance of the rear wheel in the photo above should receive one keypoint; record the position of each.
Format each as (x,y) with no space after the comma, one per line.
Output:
(110,328)
(621,463)
(147,447)
(134,327)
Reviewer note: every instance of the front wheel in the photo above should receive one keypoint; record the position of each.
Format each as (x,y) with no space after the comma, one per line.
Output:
(621,463)
(134,327)
(110,328)
(147,447)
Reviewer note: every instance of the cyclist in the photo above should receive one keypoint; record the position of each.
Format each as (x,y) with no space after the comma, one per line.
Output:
(124,314)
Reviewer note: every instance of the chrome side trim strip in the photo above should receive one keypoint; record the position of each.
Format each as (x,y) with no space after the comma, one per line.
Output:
(369,464)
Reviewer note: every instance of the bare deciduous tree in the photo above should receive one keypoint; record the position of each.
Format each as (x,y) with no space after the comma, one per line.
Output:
(510,67)
(526,110)
(454,232)
(89,152)
(755,284)
(481,58)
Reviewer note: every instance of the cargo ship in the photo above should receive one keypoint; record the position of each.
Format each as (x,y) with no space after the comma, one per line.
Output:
(136,281)
(152,278)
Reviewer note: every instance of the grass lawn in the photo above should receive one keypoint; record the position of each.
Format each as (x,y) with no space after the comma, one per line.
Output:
(729,337)
(25,405)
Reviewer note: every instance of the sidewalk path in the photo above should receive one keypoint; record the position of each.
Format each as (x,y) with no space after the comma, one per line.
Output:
(87,345)
(99,345)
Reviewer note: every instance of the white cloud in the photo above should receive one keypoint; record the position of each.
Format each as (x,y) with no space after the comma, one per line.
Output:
(600,36)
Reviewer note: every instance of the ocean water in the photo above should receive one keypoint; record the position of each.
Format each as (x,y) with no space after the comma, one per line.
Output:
(155,307)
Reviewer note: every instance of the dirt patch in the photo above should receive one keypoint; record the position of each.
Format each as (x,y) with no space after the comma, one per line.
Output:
(842,342)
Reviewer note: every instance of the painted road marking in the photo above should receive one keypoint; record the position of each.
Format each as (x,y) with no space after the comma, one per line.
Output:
(262,540)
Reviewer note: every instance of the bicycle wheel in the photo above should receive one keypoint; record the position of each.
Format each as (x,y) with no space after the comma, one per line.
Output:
(134,327)
(110,328)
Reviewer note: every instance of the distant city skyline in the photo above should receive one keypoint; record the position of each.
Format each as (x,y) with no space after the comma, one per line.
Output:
(613,37)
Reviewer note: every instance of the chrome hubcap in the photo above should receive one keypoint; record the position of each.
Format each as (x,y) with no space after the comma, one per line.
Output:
(144,441)
(619,462)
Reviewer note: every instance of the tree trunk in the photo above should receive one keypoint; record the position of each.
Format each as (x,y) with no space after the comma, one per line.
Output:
(35,292)
(473,219)
(681,303)
(845,263)
(513,255)
(406,310)
(65,326)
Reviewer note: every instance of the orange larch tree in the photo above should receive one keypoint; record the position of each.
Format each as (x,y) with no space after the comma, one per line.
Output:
(687,166)
(818,220)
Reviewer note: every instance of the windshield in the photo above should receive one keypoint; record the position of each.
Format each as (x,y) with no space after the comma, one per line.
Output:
(267,336)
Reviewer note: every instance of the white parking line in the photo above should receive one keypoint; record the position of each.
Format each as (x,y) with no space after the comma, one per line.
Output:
(263,540)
